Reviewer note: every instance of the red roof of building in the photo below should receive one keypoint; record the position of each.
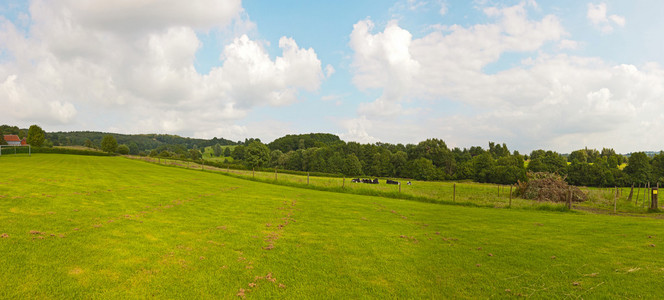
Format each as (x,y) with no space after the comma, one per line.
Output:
(12,138)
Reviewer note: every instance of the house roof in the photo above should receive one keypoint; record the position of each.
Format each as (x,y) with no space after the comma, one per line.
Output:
(12,138)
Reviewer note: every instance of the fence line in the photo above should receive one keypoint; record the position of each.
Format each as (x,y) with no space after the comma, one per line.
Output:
(468,193)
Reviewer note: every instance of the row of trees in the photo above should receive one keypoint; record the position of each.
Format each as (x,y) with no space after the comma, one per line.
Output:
(137,143)
(428,160)
(433,160)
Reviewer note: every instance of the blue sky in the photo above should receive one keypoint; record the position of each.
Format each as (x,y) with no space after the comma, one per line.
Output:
(559,75)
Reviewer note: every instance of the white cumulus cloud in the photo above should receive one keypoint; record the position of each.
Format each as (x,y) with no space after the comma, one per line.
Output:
(129,65)
(549,101)
(597,15)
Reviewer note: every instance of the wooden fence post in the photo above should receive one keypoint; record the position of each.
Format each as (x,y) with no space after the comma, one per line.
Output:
(511,186)
(454,194)
(343,183)
(253,172)
(653,196)
(499,191)
(307,178)
(631,193)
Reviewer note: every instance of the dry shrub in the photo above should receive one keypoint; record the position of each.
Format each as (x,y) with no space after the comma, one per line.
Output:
(543,186)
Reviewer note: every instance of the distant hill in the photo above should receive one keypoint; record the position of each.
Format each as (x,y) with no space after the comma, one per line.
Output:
(303,141)
(142,141)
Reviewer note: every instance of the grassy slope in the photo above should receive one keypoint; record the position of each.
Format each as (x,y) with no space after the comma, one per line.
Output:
(478,194)
(208,154)
(125,228)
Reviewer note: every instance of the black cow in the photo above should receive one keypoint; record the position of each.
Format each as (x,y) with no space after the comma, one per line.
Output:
(375,181)
(355,180)
(391,182)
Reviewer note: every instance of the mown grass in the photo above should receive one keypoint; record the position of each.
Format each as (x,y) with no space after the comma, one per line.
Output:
(109,227)
(463,193)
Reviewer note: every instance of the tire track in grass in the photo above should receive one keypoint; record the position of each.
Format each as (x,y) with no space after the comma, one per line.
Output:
(275,232)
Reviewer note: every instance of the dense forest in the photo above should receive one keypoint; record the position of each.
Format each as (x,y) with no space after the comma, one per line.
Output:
(428,160)
(137,143)
(433,160)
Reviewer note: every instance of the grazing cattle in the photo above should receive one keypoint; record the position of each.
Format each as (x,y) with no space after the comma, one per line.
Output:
(391,182)
(355,180)
(409,183)
(369,181)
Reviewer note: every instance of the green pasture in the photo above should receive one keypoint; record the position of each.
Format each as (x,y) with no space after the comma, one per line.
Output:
(113,228)
(600,200)
(208,154)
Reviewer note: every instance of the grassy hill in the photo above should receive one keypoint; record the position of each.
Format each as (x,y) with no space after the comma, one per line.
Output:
(110,227)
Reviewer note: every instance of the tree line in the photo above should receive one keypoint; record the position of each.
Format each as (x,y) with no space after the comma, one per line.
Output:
(431,159)
(137,143)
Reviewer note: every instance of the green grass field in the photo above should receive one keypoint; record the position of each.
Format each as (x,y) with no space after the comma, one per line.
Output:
(446,192)
(208,154)
(111,227)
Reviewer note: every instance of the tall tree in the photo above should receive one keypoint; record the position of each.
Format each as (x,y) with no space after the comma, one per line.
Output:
(352,166)
(275,158)
(638,167)
(109,144)
(238,152)
(257,154)
(399,161)
(483,165)
(217,150)
(36,136)
(437,152)
(423,169)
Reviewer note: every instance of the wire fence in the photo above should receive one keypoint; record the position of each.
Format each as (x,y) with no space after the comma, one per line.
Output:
(606,200)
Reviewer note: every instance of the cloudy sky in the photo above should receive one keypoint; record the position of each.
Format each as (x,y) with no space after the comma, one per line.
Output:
(559,75)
